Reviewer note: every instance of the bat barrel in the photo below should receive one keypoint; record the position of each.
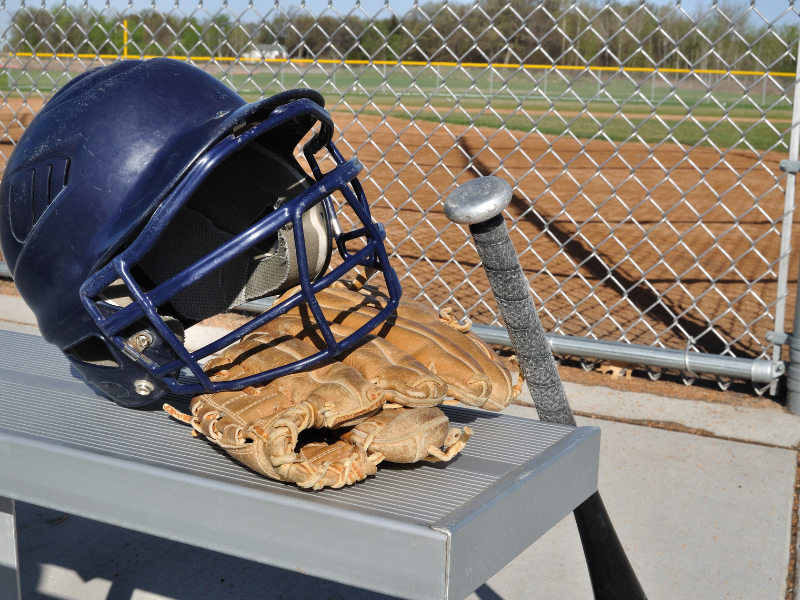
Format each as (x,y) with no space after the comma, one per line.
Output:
(480,204)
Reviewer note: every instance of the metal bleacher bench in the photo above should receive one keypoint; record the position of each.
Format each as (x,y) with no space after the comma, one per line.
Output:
(425,531)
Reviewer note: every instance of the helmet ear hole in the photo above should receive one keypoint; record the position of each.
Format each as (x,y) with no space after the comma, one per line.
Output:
(93,350)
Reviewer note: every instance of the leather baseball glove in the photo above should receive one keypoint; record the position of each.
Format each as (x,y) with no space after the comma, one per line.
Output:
(332,425)
(473,373)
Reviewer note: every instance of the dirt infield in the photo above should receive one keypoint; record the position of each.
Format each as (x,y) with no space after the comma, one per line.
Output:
(688,266)
(604,237)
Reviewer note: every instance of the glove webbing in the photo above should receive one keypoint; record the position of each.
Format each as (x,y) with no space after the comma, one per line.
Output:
(510,288)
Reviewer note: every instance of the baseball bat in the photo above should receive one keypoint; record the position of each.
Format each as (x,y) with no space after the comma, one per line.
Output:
(480,203)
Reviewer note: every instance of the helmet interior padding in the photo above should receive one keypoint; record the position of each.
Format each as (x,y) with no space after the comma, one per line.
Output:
(246,187)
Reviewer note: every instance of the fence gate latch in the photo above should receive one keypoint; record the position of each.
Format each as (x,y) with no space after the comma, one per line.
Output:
(790,166)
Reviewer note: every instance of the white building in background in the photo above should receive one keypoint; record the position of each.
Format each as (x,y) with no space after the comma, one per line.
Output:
(264,51)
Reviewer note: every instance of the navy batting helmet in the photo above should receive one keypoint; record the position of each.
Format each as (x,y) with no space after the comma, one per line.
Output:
(147,196)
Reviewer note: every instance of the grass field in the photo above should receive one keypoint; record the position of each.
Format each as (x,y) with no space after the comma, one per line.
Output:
(587,106)
(723,134)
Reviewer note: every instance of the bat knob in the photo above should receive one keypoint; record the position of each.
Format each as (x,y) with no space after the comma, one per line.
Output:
(478,200)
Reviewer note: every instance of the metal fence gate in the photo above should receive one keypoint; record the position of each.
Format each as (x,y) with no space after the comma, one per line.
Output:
(644,143)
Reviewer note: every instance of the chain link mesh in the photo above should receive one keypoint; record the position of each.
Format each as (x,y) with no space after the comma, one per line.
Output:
(643,140)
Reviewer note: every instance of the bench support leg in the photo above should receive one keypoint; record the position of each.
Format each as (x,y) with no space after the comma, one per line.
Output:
(9,560)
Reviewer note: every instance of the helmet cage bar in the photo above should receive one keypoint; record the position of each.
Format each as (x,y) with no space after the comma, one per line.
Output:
(257,232)
(337,156)
(341,178)
(356,184)
(341,237)
(307,292)
(308,151)
(274,312)
(361,258)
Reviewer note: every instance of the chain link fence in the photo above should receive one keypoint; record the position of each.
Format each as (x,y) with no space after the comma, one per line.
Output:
(643,141)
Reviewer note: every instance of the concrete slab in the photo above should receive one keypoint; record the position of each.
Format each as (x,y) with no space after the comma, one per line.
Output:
(772,426)
(700,518)
(682,505)
(13,310)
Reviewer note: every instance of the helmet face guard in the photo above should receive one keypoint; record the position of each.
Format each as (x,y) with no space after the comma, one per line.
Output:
(164,354)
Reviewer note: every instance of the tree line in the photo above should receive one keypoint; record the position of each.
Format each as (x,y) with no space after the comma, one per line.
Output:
(566,32)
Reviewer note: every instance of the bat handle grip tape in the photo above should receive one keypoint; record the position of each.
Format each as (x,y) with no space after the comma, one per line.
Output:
(610,571)
(510,287)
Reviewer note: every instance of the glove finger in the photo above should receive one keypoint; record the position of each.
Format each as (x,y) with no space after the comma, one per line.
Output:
(503,388)
(268,444)
(260,426)
(346,393)
(404,379)
(465,379)
(336,465)
(503,391)
(222,414)
(316,465)
(408,435)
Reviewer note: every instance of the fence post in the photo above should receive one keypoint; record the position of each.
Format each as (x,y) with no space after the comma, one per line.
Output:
(793,372)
